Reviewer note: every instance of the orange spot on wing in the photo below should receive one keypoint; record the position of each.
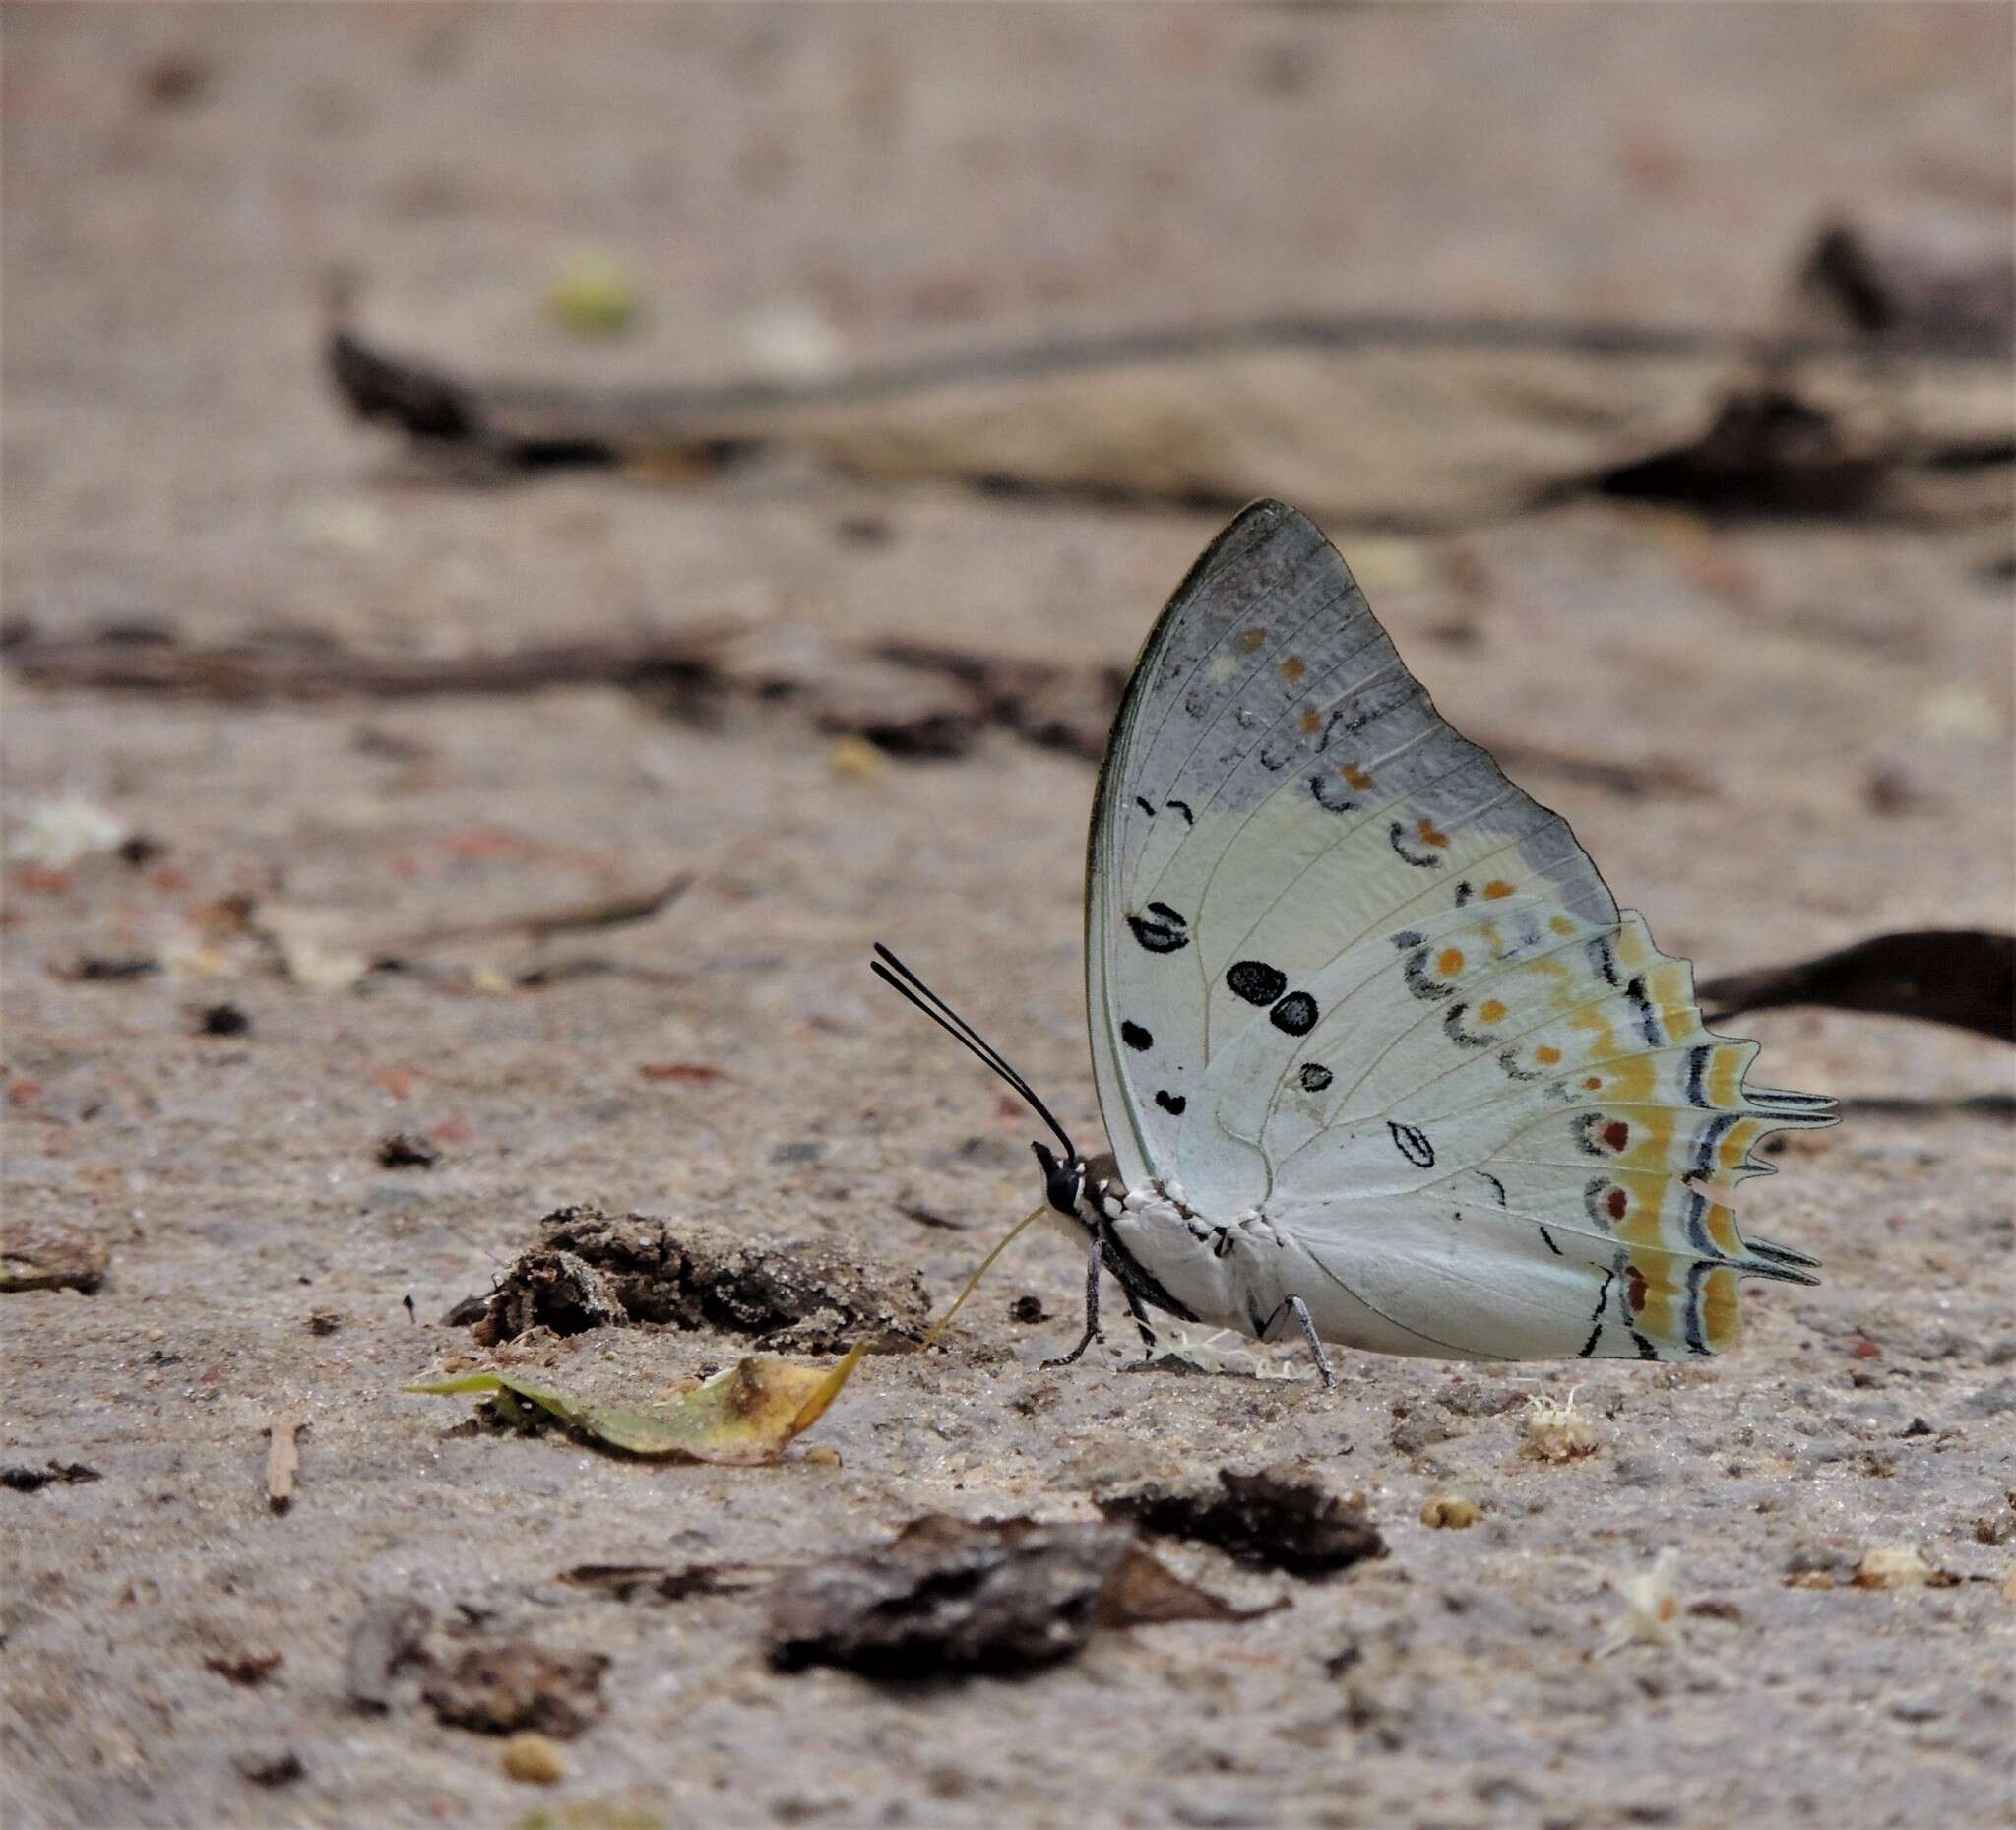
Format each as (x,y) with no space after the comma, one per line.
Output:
(1252,638)
(1431,833)
(1593,1082)
(1635,1287)
(1356,777)
(1721,1310)
(1293,668)
(1449,960)
(1617,1203)
(1561,925)
(1490,1010)
(1546,1054)
(1497,888)
(1311,724)
(1616,1134)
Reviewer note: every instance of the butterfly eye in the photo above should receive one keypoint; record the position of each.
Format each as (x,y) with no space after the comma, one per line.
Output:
(1061,1180)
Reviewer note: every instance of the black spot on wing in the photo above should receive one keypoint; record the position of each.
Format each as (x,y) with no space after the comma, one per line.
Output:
(1295,1013)
(1160,928)
(1172,1102)
(1697,1066)
(1332,793)
(1642,1010)
(1413,1144)
(1463,894)
(1603,1297)
(1315,1077)
(1421,861)
(1135,1036)
(1183,807)
(1712,1134)
(1256,981)
(1416,975)
(1146,805)
(1452,1026)
(1604,960)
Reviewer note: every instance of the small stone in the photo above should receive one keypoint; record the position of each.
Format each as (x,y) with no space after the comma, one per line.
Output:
(1451,1512)
(268,1766)
(534,1761)
(408,1150)
(594,295)
(1895,1566)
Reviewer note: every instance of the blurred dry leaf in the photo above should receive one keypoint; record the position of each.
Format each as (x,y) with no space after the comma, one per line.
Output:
(1403,421)
(49,1257)
(1961,976)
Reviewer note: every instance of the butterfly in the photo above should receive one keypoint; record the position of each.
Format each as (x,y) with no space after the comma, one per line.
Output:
(1379,1057)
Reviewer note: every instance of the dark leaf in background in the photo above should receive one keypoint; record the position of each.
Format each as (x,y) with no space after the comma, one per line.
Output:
(953,1599)
(1963,976)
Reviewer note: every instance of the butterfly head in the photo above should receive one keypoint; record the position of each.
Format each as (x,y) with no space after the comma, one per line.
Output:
(1063,1178)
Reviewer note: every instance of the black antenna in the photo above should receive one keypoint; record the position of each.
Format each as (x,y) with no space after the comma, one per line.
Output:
(903,980)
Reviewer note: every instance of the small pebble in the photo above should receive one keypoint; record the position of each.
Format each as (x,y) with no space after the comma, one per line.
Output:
(1896,1566)
(1451,1512)
(534,1761)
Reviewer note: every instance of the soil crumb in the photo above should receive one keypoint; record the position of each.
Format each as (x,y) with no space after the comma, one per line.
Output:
(597,1271)
(1278,1519)
(515,1685)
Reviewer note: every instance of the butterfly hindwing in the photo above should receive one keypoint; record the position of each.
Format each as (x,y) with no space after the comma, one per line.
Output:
(1341,967)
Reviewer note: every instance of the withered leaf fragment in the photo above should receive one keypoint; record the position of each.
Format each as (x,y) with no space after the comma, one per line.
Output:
(49,1257)
(745,1414)
(1277,1519)
(952,1599)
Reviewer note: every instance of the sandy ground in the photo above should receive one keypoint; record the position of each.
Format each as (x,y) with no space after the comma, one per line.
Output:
(932,179)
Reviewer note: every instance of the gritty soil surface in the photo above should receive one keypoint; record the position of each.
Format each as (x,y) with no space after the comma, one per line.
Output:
(1836,694)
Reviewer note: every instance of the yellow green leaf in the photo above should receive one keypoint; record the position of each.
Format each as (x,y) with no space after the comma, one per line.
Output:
(745,1414)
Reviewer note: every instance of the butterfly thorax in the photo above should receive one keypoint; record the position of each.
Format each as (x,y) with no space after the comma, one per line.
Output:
(1172,1257)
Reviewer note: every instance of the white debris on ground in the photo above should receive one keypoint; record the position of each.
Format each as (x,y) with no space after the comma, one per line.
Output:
(1556,1432)
(57,834)
(1652,1600)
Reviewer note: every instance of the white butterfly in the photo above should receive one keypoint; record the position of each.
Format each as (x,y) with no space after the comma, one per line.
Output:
(1377,1053)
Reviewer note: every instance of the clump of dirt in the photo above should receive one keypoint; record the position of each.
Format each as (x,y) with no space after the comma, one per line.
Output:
(950,1597)
(1278,1519)
(500,1689)
(597,1271)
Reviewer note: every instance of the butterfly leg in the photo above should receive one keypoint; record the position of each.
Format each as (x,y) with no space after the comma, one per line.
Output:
(1093,1266)
(1300,1310)
(1149,1342)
